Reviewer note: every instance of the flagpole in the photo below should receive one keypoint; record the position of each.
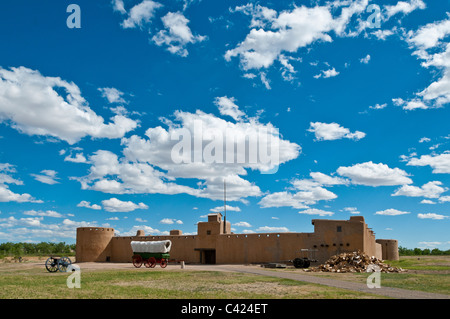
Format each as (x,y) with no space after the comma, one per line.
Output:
(225,206)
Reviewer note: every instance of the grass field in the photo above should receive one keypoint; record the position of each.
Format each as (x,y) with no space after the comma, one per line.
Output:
(29,280)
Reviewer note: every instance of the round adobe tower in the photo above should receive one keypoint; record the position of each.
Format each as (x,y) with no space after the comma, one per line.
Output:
(389,249)
(93,244)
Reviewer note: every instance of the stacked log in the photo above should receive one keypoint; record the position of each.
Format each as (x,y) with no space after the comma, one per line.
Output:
(354,262)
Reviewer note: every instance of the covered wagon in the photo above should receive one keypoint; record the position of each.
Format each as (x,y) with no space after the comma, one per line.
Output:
(150,253)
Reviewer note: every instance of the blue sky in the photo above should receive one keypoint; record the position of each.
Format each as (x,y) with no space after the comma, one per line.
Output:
(352,94)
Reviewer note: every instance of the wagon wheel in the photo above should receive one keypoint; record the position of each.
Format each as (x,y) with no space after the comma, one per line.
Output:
(152,262)
(163,263)
(147,263)
(137,261)
(63,263)
(51,265)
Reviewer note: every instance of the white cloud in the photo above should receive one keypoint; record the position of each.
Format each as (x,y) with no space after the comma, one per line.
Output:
(281,199)
(444,199)
(119,6)
(139,15)
(269,229)
(432,216)
(115,205)
(428,42)
(404,7)
(351,210)
(372,174)
(170,221)
(227,106)
(242,224)
(79,158)
(47,177)
(378,106)
(382,34)
(109,175)
(391,212)
(333,131)
(31,104)
(327,74)
(177,35)
(6,195)
(199,145)
(429,190)
(86,204)
(309,192)
(220,209)
(147,229)
(48,213)
(315,211)
(427,201)
(26,229)
(424,139)
(113,95)
(274,35)
(326,180)
(365,60)
(440,163)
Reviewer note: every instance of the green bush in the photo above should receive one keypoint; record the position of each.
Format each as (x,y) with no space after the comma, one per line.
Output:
(39,249)
(419,252)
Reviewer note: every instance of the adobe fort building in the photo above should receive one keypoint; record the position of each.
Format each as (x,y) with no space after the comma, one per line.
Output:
(215,243)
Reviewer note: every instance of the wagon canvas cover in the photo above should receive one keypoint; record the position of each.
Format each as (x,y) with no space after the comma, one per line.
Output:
(162,246)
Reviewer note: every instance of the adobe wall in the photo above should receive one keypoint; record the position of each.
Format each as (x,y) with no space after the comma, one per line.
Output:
(389,249)
(334,237)
(93,244)
(330,237)
(259,248)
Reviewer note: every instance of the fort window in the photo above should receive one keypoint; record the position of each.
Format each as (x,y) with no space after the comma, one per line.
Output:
(208,232)
(339,229)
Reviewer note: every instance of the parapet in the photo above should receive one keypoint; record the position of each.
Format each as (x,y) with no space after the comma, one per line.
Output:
(176,232)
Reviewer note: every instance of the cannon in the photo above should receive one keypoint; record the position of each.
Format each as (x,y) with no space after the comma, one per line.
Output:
(53,264)
(307,257)
(150,253)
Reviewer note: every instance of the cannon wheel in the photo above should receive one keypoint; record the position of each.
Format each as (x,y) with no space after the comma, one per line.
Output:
(137,261)
(51,265)
(63,263)
(163,263)
(299,263)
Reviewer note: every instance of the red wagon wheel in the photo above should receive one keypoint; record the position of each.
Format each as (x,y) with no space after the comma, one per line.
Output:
(152,262)
(163,263)
(147,263)
(137,261)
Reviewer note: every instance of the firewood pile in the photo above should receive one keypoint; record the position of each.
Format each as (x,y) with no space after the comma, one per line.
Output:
(354,262)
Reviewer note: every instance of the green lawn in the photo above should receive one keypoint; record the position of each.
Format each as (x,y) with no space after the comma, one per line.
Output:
(160,284)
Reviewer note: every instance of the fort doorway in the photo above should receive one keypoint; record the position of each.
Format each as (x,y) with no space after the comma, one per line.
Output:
(210,256)
(207,256)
